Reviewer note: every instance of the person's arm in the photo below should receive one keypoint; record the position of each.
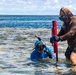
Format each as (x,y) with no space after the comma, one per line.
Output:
(69,34)
(61,32)
(57,38)
(49,52)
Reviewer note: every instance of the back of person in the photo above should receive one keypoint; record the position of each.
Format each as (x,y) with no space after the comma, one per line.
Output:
(41,51)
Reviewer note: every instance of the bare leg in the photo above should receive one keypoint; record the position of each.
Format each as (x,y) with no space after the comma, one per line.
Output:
(73,58)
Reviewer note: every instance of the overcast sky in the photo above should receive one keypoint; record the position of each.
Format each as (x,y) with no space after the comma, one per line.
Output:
(35,7)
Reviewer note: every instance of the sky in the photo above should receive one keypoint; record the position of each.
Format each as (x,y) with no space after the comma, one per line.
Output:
(35,7)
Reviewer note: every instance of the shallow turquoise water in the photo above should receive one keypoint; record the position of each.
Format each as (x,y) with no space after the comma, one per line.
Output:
(15,48)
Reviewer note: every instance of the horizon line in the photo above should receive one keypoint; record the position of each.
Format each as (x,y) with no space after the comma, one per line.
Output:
(24,15)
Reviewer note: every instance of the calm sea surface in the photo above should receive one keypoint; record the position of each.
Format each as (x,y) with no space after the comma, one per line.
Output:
(32,21)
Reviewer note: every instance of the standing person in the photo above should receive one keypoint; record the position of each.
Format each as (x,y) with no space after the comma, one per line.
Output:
(41,51)
(67,32)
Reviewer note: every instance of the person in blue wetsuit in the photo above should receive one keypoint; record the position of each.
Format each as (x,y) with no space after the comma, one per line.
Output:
(41,51)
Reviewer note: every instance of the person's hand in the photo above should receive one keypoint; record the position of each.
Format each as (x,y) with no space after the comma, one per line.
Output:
(54,39)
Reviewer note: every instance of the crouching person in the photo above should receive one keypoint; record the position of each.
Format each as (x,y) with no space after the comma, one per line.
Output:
(41,52)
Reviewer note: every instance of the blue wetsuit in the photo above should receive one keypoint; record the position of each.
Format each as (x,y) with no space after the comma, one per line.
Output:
(35,55)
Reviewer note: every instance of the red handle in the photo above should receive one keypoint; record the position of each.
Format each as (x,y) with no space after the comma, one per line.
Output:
(54,33)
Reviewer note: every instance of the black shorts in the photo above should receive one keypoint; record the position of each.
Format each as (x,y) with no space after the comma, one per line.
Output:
(69,50)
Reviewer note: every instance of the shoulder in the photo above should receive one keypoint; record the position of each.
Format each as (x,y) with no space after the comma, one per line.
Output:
(33,52)
(72,24)
(49,48)
(73,20)
(33,55)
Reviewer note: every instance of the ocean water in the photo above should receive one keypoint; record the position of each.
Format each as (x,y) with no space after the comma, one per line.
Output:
(32,21)
(17,37)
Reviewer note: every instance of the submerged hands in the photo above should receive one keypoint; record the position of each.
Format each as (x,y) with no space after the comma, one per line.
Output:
(54,39)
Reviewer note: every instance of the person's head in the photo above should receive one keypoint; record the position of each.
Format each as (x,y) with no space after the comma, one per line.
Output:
(39,46)
(65,15)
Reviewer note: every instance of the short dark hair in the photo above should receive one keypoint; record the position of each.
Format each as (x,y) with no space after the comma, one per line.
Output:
(40,46)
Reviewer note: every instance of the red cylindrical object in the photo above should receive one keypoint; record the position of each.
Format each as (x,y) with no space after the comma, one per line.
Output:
(54,33)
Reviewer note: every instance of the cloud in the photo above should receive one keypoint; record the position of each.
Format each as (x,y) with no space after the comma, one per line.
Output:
(35,6)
